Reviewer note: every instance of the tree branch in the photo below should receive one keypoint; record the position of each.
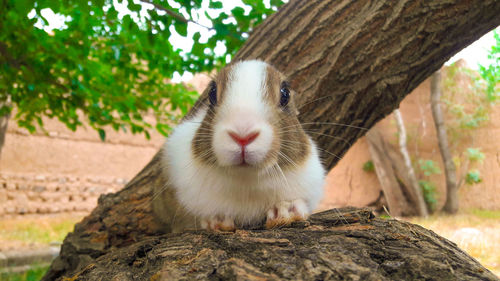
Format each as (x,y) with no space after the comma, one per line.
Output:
(179,17)
(8,58)
(175,15)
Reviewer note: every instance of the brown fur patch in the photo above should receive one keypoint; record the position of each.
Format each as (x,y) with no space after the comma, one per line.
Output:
(293,141)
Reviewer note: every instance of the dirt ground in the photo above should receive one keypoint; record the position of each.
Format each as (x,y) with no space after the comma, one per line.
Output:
(477,232)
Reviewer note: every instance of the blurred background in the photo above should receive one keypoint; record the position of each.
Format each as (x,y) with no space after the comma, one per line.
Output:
(90,89)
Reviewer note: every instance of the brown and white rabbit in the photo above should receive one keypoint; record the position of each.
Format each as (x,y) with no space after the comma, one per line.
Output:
(241,155)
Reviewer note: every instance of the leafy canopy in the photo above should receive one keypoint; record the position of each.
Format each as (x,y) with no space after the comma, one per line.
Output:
(112,68)
(491,73)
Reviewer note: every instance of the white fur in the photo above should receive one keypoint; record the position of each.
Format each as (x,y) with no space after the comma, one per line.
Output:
(244,194)
(243,112)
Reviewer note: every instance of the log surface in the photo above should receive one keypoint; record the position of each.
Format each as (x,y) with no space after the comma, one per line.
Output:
(343,244)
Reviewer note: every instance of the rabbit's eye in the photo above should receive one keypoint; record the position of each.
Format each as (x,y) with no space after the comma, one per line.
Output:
(212,94)
(285,94)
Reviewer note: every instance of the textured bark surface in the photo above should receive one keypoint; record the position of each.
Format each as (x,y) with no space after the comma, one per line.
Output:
(345,244)
(451,203)
(352,62)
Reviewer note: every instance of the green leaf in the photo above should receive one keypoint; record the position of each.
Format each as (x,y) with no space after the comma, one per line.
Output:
(198,49)
(473,177)
(221,29)
(196,36)
(102,134)
(181,28)
(429,167)
(368,166)
(276,3)
(475,154)
(134,7)
(429,192)
(215,5)
(23,6)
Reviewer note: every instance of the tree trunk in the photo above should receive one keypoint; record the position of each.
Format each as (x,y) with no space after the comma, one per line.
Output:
(4,122)
(352,62)
(386,174)
(345,244)
(416,195)
(392,175)
(451,204)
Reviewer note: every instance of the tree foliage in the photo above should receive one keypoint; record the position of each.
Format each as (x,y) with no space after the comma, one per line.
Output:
(469,108)
(112,67)
(491,73)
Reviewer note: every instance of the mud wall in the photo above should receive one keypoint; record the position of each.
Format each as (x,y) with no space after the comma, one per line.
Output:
(349,185)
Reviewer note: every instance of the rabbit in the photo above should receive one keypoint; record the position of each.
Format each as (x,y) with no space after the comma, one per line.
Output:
(240,157)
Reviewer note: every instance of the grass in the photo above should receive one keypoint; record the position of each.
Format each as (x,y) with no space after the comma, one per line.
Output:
(486,214)
(35,231)
(475,231)
(28,232)
(33,274)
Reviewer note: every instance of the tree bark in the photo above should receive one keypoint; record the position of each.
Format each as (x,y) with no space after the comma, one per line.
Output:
(415,193)
(392,175)
(4,122)
(352,63)
(345,244)
(386,174)
(451,203)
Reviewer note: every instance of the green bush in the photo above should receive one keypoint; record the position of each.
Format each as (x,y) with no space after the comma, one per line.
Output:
(34,274)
